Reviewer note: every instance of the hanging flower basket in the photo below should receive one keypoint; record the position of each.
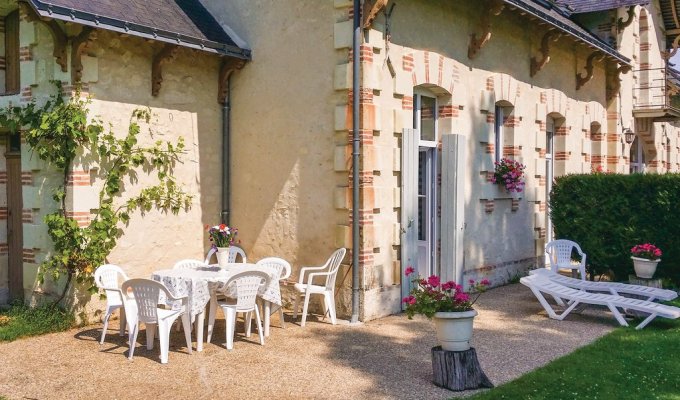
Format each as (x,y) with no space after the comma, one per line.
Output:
(510,174)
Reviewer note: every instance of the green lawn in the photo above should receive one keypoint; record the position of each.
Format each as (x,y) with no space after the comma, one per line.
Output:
(625,364)
(21,321)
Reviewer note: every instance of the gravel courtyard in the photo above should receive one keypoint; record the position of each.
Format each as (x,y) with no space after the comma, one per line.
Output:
(384,359)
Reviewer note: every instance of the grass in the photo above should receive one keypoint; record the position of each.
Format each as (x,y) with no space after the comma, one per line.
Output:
(625,364)
(22,321)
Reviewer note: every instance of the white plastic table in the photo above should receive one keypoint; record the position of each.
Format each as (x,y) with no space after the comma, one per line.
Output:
(201,285)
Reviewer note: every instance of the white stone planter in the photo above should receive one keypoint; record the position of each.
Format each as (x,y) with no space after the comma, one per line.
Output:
(644,268)
(222,256)
(454,329)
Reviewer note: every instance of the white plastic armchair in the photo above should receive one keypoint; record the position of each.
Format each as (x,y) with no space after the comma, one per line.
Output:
(559,255)
(108,278)
(283,269)
(248,284)
(306,288)
(146,293)
(234,251)
(189,264)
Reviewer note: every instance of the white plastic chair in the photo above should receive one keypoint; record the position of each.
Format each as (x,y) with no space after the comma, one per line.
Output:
(330,271)
(189,264)
(145,293)
(283,269)
(247,285)
(233,252)
(107,277)
(559,255)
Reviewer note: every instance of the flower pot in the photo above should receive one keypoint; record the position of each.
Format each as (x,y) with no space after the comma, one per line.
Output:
(644,268)
(454,329)
(222,256)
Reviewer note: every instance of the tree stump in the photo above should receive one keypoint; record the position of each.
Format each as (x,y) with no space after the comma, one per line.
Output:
(458,370)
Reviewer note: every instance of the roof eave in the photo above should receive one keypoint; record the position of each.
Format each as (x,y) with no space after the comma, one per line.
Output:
(117,25)
(587,39)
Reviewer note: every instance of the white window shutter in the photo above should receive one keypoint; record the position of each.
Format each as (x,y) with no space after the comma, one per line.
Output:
(409,204)
(453,207)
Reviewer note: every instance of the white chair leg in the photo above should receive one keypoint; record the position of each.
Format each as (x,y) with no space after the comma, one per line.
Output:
(164,336)
(121,330)
(230,319)
(304,309)
(259,326)
(295,306)
(248,318)
(150,331)
(133,340)
(106,326)
(330,305)
(186,324)
(211,316)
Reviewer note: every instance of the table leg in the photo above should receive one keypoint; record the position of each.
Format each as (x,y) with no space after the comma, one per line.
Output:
(200,319)
(267,317)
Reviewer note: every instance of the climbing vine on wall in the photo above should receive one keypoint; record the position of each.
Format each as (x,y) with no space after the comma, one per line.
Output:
(57,132)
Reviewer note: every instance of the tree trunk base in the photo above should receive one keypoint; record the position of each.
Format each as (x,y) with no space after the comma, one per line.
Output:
(458,370)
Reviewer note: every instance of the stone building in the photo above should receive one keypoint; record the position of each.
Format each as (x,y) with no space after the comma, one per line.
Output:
(446,89)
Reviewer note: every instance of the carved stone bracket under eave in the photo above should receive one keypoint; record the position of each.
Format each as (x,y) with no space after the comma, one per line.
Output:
(674,48)
(167,54)
(477,42)
(58,36)
(614,79)
(78,46)
(229,65)
(371,10)
(537,65)
(621,24)
(582,80)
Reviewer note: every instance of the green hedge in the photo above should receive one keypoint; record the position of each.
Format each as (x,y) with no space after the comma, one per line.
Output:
(607,214)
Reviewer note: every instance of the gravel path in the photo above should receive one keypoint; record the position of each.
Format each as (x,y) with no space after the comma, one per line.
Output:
(384,359)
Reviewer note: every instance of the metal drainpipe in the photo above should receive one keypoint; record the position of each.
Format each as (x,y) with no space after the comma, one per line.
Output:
(226,157)
(355,160)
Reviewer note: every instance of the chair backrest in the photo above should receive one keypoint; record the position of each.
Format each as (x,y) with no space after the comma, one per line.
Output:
(559,252)
(107,277)
(189,264)
(281,266)
(333,265)
(233,252)
(145,292)
(247,285)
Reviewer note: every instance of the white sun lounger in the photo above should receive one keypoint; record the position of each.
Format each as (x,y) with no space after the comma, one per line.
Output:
(615,288)
(541,284)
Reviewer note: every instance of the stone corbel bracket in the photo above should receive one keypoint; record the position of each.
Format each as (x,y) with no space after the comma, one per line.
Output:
(229,65)
(614,79)
(78,47)
(58,36)
(582,80)
(621,24)
(371,10)
(167,54)
(676,43)
(477,42)
(537,65)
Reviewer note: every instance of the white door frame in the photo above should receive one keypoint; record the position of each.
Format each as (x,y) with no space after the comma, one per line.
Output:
(549,173)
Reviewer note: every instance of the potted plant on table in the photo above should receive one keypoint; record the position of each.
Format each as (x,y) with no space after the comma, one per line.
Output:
(222,236)
(645,257)
(450,306)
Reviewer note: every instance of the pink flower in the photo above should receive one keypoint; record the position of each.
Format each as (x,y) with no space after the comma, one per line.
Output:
(485,282)
(448,285)
(409,270)
(461,297)
(409,300)
(433,281)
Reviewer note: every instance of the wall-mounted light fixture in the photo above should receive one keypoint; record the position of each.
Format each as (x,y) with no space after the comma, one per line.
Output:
(628,135)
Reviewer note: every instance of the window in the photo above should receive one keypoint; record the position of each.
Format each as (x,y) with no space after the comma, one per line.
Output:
(637,156)
(12,53)
(499,116)
(425,119)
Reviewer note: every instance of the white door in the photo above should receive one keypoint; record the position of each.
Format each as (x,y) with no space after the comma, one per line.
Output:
(549,173)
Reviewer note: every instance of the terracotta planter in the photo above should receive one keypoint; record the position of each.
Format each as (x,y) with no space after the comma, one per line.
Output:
(222,256)
(454,329)
(644,268)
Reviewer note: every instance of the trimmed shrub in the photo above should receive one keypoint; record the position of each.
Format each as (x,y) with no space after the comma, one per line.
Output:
(607,214)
